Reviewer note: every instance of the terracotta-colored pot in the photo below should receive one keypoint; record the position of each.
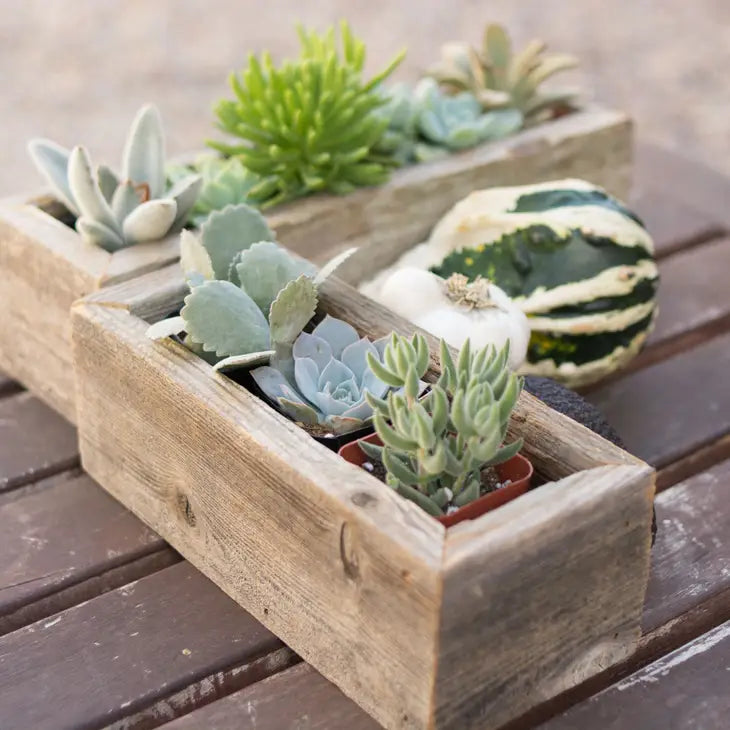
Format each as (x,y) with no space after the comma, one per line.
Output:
(518,470)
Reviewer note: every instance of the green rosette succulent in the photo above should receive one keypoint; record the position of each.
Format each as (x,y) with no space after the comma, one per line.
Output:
(499,78)
(115,212)
(435,447)
(331,378)
(458,122)
(308,125)
(225,182)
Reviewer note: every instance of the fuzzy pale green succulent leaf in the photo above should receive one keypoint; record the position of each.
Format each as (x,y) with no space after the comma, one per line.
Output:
(185,193)
(86,193)
(229,231)
(98,234)
(51,160)
(150,221)
(194,258)
(143,159)
(292,309)
(225,320)
(265,269)
(243,362)
(166,328)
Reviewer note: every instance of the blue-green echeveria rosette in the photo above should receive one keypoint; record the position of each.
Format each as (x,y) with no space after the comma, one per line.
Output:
(331,378)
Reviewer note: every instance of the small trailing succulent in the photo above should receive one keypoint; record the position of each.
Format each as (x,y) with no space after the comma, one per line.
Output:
(331,378)
(115,212)
(225,182)
(308,125)
(500,79)
(435,447)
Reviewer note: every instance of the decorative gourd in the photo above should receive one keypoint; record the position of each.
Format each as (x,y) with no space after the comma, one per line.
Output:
(457,310)
(576,260)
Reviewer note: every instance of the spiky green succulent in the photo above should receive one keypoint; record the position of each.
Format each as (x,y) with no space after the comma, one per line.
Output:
(499,78)
(225,182)
(331,378)
(434,448)
(308,125)
(249,297)
(115,212)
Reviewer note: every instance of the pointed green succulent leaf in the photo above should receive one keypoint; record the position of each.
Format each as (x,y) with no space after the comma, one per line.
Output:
(144,152)
(124,200)
(225,320)
(185,193)
(372,451)
(398,468)
(98,234)
(86,193)
(52,162)
(506,453)
(425,503)
(292,309)
(383,373)
(150,221)
(108,182)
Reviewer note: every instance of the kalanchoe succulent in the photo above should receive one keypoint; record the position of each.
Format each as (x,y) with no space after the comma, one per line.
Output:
(435,447)
(308,125)
(499,78)
(249,297)
(225,182)
(457,122)
(115,212)
(331,378)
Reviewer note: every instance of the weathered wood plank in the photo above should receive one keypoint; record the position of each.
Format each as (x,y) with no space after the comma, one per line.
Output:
(673,223)
(296,698)
(143,653)
(699,187)
(693,300)
(685,689)
(673,408)
(691,558)
(35,442)
(66,544)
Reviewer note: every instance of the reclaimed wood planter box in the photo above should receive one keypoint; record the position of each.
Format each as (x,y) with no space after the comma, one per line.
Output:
(46,266)
(425,627)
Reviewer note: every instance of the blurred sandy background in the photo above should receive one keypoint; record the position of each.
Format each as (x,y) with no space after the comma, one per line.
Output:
(76,70)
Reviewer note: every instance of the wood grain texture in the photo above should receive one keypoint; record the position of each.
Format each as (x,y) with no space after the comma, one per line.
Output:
(685,689)
(691,558)
(136,656)
(46,266)
(296,698)
(68,543)
(285,526)
(35,442)
(669,410)
(543,623)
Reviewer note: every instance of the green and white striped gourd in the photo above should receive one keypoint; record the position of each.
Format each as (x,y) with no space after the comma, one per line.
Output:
(577,261)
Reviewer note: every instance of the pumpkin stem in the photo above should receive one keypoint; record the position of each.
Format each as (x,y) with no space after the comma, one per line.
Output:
(472,295)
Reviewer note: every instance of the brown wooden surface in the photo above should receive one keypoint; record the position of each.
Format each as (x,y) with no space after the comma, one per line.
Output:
(685,689)
(59,679)
(35,442)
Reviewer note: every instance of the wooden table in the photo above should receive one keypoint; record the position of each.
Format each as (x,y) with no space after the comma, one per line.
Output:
(102,624)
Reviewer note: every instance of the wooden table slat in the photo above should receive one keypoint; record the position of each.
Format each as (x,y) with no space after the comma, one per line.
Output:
(689,688)
(35,442)
(144,652)
(670,409)
(299,697)
(66,544)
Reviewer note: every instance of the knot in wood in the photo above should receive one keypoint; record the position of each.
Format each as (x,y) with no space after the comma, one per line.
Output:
(348,551)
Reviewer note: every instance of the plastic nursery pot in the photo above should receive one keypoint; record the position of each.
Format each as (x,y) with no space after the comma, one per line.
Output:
(518,470)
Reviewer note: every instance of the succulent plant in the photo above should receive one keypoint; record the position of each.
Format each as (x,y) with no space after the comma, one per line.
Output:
(499,78)
(249,297)
(331,378)
(457,122)
(115,212)
(434,448)
(308,125)
(225,182)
